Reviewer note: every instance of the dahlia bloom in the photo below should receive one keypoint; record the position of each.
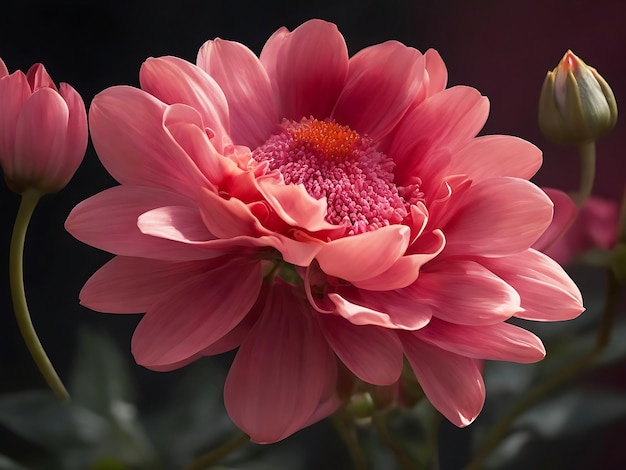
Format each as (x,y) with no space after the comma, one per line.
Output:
(43,130)
(327,215)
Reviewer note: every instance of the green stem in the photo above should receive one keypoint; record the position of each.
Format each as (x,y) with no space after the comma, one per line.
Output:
(345,426)
(214,456)
(587,172)
(399,453)
(499,431)
(16,274)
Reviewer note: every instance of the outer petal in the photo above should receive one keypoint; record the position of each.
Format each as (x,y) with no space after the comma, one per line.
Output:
(565,213)
(382,83)
(38,77)
(308,67)
(133,285)
(366,255)
(392,309)
(45,115)
(372,353)
(196,313)
(108,221)
(175,80)
(77,134)
(496,155)
(142,152)
(281,372)
(547,292)
(244,81)
(406,270)
(437,72)
(3,69)
(501,216)
(14,91)
(448,119)
(501,342)
(466,293)
(452,383)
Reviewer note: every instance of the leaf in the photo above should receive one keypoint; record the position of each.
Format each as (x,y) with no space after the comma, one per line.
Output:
(8,464)
(100,376)
(40,418)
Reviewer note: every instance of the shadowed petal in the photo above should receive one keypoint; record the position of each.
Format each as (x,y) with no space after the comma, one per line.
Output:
(452,383)
(196,313)
(500,342)
(308,67)
(281,372)
(385,76)
(372,353)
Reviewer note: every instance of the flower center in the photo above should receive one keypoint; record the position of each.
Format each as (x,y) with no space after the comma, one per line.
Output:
(338,163)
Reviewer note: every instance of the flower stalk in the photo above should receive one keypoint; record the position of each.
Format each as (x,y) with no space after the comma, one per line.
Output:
(587,153)
(29,201)
(216,455)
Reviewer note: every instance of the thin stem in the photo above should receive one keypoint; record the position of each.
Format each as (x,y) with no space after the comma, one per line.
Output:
(346,428)
(16,275)
(587,172)
(214,456)
(402,457)
(499,431)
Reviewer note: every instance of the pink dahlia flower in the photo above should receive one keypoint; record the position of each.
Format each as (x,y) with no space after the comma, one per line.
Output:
(325,214)
(43,130)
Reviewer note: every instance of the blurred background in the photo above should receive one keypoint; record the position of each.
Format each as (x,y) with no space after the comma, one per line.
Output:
(503,49)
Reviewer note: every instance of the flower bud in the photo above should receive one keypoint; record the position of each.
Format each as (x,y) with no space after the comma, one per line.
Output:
(43,130)
(576,104)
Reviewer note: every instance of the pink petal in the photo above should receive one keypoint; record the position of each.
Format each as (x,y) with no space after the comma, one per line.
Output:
(294,205)
(565,213)
(14,91)
(448,119)
(501,342)
(174,80)
(244,81)
(500,216)
(437,72)
(308,67)
(547,292)
(40,138)
(372,353)
(108,221)
(452,383)
(405,270)
(466,293)
(142,153)
(179,223)
(282,371)
(133,285)
(392,309)
(365,255)
(3,69)
(382,83)
(496,155)
(38,77)
(77,134)
(195,313)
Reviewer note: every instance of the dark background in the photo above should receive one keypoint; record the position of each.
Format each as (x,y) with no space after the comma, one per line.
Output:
(502,48)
